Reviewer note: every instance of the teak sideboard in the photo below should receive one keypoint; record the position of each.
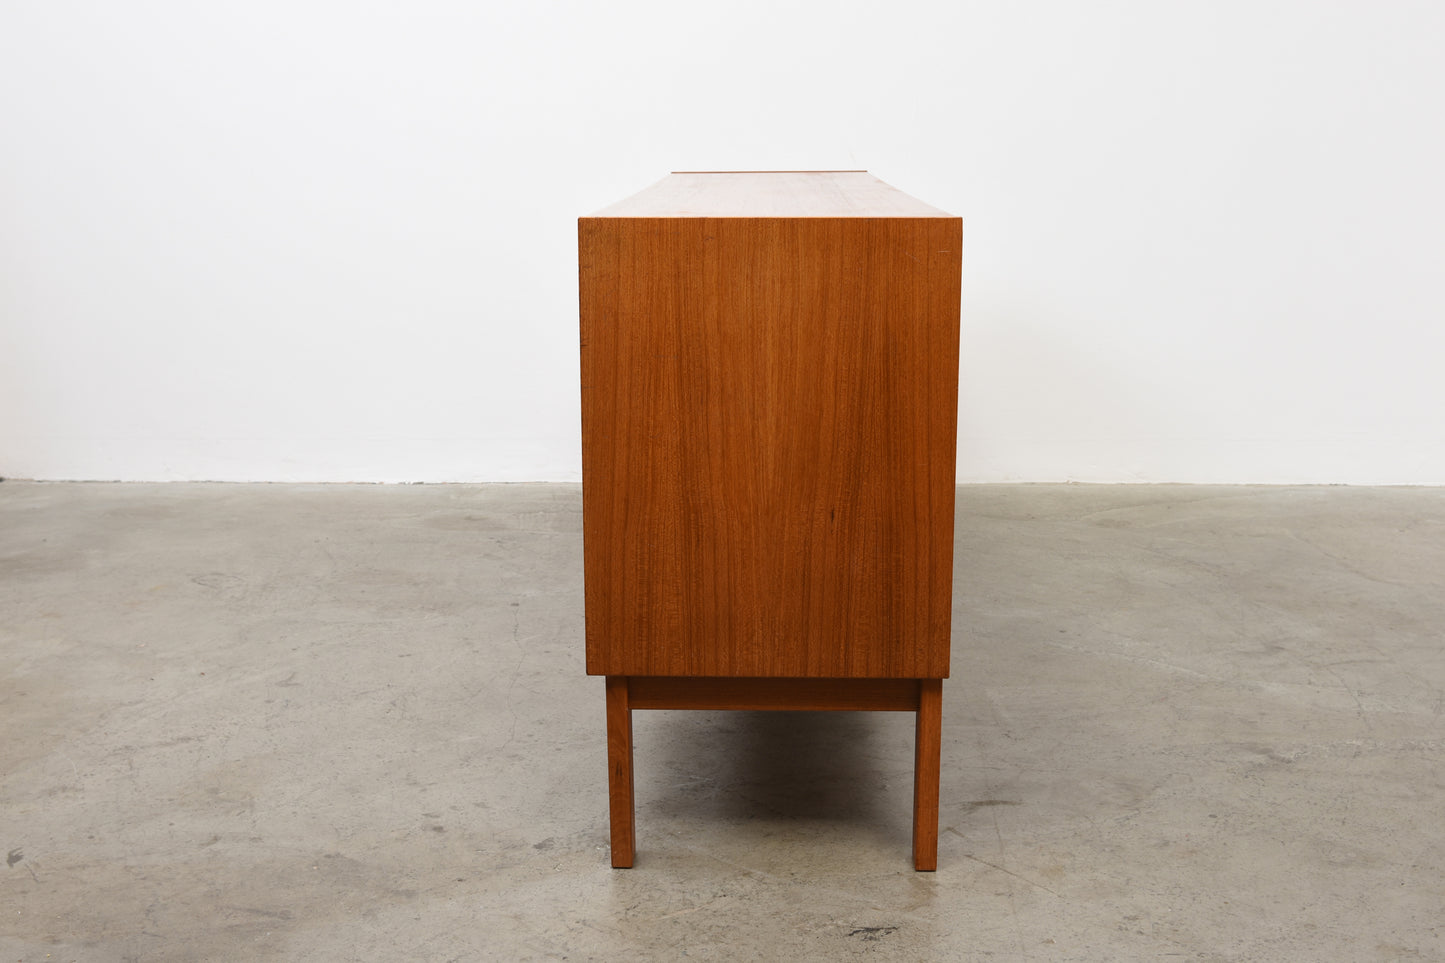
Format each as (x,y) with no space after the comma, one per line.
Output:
(769,406)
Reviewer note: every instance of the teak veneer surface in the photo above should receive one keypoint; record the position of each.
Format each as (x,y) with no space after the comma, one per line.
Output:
(769,390)
(775,695)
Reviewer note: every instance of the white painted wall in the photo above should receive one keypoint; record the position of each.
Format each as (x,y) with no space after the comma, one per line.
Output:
(326,240)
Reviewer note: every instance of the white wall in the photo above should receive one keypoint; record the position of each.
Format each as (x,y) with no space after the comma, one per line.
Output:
(326,240)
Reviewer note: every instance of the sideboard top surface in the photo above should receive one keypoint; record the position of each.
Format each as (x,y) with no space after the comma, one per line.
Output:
(770,194)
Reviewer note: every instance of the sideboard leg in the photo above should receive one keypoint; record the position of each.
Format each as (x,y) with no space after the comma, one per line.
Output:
(927,747)
(619,772)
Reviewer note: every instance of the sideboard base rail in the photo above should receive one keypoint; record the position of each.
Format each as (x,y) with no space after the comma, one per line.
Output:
(923,697)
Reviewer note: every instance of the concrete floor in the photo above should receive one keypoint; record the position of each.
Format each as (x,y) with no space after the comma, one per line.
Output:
(351,723)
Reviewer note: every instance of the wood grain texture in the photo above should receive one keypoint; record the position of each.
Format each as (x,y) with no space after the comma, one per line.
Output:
(927,758)
(896,695)
(768,419)
(621,810)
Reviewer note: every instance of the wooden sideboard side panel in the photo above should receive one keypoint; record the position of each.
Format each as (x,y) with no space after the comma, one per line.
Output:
(769,420)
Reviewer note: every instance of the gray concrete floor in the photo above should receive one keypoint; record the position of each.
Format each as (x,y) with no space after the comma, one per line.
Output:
(351,723)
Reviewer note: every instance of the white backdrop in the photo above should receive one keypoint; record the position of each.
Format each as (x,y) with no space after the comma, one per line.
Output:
(335,241)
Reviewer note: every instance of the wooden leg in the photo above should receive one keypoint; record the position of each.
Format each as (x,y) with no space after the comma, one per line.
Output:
(927,748)
(619,772)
